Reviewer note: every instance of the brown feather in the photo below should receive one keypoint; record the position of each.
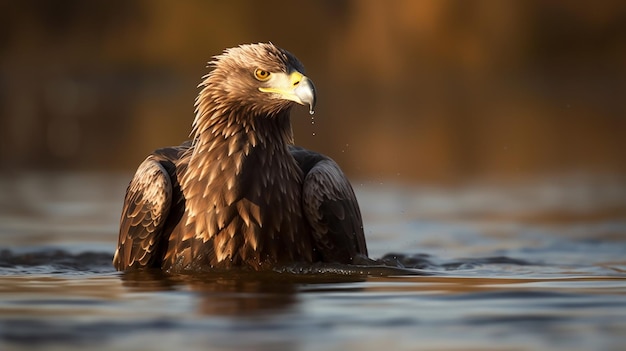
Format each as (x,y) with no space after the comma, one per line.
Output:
(238,194)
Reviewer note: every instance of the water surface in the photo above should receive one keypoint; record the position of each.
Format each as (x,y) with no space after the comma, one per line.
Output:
(531,266)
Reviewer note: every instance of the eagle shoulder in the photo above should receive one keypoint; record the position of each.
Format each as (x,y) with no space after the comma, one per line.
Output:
(331,208)
(146,208)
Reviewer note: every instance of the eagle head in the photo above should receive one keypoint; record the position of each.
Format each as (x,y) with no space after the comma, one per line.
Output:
(257,79)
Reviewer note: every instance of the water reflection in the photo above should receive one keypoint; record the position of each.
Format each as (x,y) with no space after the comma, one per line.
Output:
(285,309)
(237,292)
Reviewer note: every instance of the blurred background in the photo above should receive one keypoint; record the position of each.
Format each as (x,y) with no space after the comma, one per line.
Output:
(414,91)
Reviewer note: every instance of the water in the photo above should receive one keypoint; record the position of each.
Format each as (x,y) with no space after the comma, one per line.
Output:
(533,266)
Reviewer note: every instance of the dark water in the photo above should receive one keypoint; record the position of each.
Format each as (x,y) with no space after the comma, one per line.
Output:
(533,266)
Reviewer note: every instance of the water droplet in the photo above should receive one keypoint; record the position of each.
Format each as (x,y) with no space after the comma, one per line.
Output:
(313,122)
(311,112)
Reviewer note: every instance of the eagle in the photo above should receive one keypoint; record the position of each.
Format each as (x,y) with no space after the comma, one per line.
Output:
(240,194)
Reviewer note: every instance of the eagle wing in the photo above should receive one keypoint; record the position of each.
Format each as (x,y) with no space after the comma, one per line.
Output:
(146,209)
(331,208)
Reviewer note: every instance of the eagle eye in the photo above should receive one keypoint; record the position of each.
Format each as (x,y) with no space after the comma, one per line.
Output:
(261,75)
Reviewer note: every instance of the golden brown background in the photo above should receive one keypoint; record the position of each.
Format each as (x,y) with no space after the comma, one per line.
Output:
(426,91)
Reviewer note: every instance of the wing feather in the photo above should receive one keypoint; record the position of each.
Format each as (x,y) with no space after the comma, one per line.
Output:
(146,208)
(331,208)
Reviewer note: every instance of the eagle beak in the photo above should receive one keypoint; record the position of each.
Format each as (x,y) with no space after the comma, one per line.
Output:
(294,87)
(305,92)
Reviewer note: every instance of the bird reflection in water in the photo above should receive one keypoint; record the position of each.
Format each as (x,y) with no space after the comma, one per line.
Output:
(236,292)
